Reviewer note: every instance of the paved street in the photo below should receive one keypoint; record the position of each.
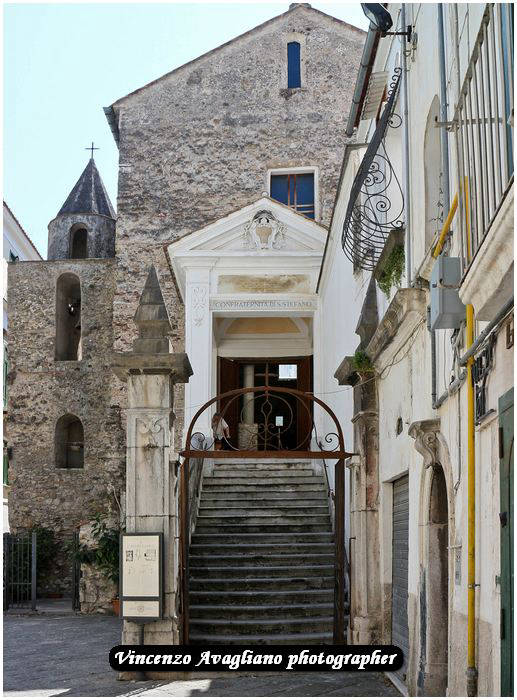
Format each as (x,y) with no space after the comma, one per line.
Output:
(68,656)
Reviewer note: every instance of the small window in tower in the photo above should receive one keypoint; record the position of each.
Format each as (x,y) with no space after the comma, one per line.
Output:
(68,318)
(296,190)
(79,243)
(294,74)
(69,442)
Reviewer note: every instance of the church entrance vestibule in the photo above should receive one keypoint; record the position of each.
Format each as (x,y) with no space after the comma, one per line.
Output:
(290,421)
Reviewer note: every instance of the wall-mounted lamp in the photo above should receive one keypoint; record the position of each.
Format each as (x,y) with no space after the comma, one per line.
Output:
(381,19)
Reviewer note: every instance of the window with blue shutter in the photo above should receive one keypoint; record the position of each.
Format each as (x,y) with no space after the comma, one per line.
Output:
(296,191)
(294,76)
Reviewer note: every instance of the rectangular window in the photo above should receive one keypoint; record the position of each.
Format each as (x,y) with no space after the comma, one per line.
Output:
(296,190)
(294,75)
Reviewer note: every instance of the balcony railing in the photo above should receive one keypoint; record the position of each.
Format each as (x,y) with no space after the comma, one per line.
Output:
(484,125)
(376,203)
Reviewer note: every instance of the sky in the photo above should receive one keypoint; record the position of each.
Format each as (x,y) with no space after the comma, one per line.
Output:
(64,62)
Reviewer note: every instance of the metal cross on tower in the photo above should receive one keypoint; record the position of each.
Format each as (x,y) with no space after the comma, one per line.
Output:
(92,148)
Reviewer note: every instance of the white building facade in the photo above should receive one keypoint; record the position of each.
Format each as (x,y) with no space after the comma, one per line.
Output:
(424,214)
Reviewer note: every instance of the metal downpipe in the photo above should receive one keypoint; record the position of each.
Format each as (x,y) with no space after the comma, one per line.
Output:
(409,262)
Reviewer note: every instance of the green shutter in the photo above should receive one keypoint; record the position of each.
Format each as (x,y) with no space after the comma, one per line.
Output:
(507,553)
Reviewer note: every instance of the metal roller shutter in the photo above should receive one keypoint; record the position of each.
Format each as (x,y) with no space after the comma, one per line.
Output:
(399,599)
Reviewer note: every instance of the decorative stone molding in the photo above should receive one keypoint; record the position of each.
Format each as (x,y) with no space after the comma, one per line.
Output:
(425,435)
(408,307)
(345,372)
(199,303)
(264,231)
(263,304)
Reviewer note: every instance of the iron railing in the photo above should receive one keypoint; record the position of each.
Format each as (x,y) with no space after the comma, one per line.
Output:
(270,439)
(483,124)
(376,203)
(20,571)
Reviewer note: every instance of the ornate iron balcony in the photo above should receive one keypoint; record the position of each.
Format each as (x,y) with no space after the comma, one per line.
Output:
(376,203)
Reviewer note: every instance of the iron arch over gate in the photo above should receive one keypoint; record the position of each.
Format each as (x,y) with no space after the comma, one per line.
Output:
(269,436)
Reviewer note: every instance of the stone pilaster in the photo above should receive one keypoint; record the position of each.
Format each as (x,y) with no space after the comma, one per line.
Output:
(151,371)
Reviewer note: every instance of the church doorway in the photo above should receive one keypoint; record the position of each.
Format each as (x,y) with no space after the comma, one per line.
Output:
(289,420)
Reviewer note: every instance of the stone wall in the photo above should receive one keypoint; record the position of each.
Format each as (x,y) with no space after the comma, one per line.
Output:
(42,389)
(95,590)
(197,144)
(101,235)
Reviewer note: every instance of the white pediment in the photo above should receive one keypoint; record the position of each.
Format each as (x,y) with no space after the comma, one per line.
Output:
(261,241)
(265,225)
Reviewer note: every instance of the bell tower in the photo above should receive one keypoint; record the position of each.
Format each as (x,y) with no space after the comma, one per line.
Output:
(85,225)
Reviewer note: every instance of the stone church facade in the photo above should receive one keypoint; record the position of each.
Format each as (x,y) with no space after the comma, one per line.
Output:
(195,146)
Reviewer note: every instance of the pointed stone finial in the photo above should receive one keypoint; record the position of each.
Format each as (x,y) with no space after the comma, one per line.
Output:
(152,319)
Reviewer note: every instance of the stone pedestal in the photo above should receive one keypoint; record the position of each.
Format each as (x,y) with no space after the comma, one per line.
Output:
(151,371)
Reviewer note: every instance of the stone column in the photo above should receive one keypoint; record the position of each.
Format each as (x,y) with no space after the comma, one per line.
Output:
(151,370)
(248,429)
(198,345)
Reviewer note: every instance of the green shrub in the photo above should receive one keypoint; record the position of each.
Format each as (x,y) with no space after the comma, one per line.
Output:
(392,270)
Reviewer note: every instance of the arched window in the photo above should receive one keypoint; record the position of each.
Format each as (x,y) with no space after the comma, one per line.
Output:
(69,442)
(68,318)
(79,242)
(432,168)
(294,73)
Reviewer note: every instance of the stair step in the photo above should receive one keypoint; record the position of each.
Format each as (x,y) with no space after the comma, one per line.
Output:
(264,482)
(266,519)
(262,538)
(298,528)
(261,584)
(264,491)
(244,549)
(249,503)
(261,612)
(262,597)
(299,638)
(280,625)
(317,496)
(248,511)
(211,559)
(249,473)
(260,570)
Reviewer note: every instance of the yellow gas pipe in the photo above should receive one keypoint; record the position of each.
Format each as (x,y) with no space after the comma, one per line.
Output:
(471,456)
(472,673)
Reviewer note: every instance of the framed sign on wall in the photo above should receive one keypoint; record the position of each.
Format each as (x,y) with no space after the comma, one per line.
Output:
(141,576)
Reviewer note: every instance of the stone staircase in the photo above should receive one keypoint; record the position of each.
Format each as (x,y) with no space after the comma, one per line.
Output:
(262,556)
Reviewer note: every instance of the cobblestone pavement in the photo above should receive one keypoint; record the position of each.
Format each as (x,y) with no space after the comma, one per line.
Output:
(68,656)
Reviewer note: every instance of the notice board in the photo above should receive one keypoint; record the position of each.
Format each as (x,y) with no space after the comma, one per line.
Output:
(141,576)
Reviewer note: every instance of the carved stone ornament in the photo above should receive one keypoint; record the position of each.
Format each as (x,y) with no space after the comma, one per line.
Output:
(264,232)
(425,435)
(199,304)
(152,430)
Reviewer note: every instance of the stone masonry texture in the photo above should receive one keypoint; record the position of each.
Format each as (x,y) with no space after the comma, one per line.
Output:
(194,146)
(42,389)
(197,144)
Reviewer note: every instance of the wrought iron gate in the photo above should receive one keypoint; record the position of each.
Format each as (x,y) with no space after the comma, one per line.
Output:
(20,571)
(267,436)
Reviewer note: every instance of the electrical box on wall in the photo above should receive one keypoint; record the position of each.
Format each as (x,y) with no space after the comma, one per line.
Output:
(447,309)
